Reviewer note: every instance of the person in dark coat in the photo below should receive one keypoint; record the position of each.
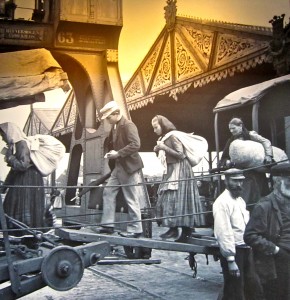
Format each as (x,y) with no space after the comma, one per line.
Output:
(256,183)
(126,171)
(24,204)
(268,233)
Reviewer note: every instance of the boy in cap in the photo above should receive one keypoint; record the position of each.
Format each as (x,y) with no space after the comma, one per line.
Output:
(125,143)
(230,219)
(268,233)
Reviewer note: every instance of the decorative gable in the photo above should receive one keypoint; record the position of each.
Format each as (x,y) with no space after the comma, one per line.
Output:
(163,76)
(195,52)
(185,64)
(201,40)
(149,65)
(231,47)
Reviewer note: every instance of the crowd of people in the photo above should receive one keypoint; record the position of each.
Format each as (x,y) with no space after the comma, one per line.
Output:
(254,248)
(254,242)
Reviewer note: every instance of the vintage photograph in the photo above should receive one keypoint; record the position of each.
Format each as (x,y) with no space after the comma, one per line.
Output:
(144,149)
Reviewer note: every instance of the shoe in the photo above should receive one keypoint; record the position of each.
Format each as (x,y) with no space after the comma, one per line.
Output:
(103,230)
(185,235)
(171,233)
(130,234)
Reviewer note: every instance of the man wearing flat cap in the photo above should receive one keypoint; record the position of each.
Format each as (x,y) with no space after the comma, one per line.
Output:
(125,143)
(230,219)
(268,233)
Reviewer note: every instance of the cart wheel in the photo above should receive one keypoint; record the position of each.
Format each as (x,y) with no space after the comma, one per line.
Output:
(62,269)
(141,252)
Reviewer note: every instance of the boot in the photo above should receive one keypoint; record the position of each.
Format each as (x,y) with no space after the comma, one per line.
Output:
(186,233)
(172,232)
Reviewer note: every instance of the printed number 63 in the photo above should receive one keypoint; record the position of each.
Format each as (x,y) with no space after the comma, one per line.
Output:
(65,37)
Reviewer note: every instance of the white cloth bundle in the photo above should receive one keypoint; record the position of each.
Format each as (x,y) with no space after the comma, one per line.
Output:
(45,152)
(195,146)
(248,154)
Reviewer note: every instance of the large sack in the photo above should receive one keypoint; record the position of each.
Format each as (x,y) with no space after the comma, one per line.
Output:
(248,154)
(45,152)
(195,146)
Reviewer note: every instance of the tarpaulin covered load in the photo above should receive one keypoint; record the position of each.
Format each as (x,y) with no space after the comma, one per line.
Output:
(26,75)
(253,93)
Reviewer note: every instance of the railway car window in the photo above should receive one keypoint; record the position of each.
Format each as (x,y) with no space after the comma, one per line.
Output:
(25,10)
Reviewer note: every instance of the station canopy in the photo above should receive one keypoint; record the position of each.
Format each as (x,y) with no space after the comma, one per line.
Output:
(25,76)
(254,93)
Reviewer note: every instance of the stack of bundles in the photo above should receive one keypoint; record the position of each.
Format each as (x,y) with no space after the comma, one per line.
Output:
(249,154)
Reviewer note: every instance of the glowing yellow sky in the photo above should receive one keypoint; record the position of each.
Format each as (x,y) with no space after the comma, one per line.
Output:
(143,20)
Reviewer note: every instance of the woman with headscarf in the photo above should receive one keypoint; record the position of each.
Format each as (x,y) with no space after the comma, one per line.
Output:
(25,204)
(255,184)
(178,193)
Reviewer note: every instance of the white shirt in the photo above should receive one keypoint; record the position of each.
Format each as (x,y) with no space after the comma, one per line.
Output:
(230,219)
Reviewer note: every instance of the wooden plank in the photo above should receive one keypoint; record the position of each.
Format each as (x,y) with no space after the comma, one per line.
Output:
(87,237)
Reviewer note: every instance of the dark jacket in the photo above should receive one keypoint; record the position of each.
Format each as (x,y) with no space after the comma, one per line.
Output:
(262,234)
(175,151)
(127,144)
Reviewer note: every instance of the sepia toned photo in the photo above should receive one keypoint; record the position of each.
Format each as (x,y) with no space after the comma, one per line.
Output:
(145,149)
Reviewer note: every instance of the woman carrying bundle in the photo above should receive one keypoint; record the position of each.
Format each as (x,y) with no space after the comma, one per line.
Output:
(25,204)
(255,184)
(178,193)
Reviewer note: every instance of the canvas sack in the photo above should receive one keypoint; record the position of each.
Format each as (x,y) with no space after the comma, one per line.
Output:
(45,152)
(195,146)
(248,154)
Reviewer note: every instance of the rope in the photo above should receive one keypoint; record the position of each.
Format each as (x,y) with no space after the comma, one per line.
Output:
(122,222)
(221,172)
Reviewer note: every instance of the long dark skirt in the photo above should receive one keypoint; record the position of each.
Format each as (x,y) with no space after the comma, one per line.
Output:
(184,200)
(26,204)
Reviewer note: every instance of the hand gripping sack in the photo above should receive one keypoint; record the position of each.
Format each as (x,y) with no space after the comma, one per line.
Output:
(45,152)
(195,146)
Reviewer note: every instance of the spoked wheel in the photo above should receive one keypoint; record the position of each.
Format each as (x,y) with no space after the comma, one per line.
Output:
(141,252)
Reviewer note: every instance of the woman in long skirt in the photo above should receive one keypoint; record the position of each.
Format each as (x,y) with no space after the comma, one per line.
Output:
(25,204)
(178,195)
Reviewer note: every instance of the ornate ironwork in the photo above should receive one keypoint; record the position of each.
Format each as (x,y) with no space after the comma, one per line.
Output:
(135,89)
(149,65)
(170,14)
(163,76)
(186,65)
(201,40)
(279,47)
(231,47)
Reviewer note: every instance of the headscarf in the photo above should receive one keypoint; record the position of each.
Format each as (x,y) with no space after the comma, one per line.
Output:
(13,133)
(165,124)
(238,122)
(245,135)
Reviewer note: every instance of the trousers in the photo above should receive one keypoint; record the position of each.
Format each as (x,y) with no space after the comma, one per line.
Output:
(247,286)
(131,192)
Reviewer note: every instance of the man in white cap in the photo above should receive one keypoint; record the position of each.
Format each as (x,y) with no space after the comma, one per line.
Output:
(230,219)
(125,143)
